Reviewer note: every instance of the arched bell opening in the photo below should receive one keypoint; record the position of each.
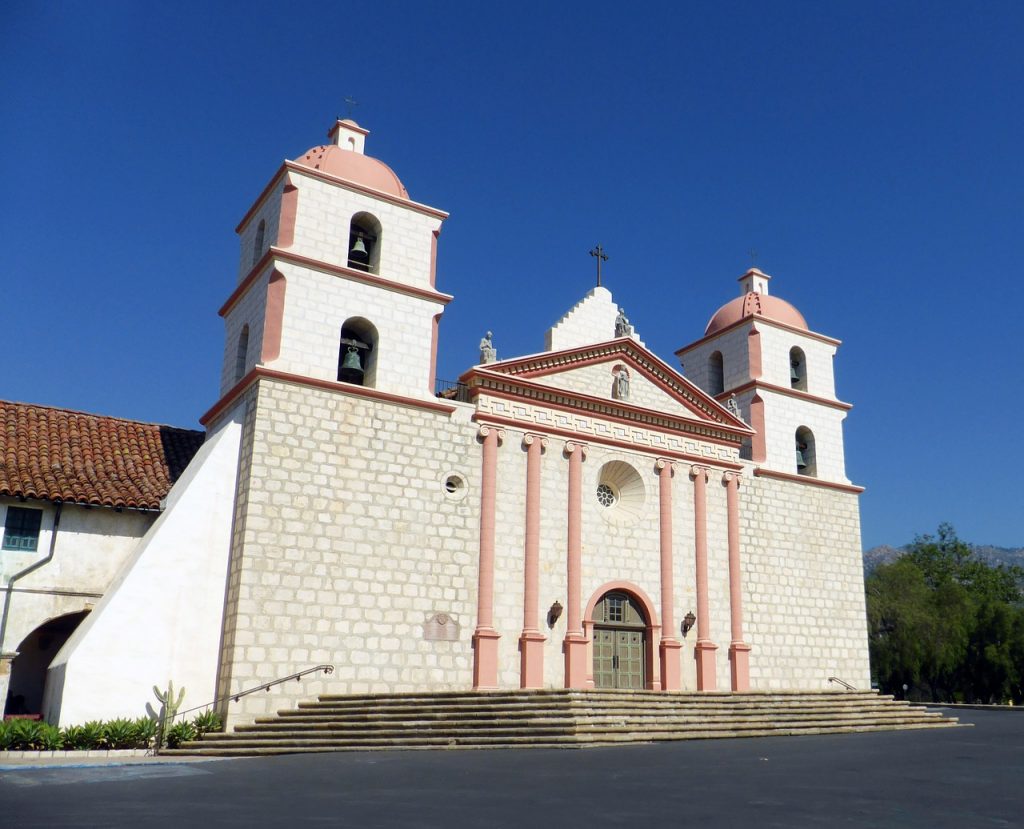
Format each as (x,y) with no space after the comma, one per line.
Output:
(257,248)
(364,236)
(357,354)
(35,653)
(797,369)
(805,454)
(241,353)
(622,628)
(716,373)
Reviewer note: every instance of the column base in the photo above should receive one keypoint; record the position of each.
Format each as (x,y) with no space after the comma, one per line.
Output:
(485,659)
(670,666)
(739,656)
(704,653)
(531,659)
(575,648)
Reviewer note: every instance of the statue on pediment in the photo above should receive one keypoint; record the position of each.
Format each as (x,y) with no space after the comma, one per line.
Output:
(488,353)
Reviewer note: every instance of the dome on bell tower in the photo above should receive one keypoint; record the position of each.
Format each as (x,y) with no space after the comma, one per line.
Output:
(344,158)
(755,302)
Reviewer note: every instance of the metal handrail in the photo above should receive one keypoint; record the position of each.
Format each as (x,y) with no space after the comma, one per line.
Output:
(266,686)
(845,684)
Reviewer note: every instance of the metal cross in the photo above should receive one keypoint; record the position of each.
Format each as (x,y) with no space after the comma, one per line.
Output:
(350,104)
(601,257)
(753,257)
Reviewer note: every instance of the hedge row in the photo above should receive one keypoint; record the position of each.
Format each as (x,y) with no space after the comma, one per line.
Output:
(34,735)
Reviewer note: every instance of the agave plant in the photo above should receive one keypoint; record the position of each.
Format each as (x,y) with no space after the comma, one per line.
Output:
(119,734)
(179,733)
(145,731)
(206,722)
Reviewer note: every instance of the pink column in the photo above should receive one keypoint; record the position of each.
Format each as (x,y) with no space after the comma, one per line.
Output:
(670,646)
(485,638)
(739,651)
(575,644)
(531,640)
(704,650)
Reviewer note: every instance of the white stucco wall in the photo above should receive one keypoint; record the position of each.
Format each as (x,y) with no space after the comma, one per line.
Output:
(161,618)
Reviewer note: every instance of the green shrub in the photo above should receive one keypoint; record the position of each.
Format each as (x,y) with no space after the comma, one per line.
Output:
(119,734)
(179,733)
(50,738)
(145,732)
(92,734)
(75,738)
(206,722)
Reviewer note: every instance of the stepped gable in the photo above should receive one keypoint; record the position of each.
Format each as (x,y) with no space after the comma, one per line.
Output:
(60,455)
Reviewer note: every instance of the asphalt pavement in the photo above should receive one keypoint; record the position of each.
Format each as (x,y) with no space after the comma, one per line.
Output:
(956,777)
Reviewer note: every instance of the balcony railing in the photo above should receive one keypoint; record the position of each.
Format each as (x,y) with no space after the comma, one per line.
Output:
(451,390)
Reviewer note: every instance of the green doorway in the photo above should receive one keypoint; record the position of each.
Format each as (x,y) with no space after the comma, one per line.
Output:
(620,642)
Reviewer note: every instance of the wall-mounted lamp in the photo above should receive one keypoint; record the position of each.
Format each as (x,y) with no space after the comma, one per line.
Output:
(688,621)
(554,614)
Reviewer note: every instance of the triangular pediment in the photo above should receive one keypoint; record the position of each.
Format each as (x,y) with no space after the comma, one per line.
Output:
(586,376)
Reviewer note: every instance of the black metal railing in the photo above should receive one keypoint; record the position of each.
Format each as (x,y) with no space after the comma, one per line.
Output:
(451,390)
(839,681)
(266,686)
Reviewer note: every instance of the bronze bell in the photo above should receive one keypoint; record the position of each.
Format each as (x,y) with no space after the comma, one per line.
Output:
(351,360)
(801,463)
(794,371)
(359,252)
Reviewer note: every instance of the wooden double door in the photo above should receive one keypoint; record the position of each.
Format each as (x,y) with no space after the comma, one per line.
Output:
(620,643)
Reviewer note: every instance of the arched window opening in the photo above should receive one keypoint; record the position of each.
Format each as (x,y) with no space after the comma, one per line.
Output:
(257,249)
(797,369)
(806,463)
(241,353)
(357,355)
(364,243)
(716,373)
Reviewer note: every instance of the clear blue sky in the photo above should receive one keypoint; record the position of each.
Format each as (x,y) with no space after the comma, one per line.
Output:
(870,152)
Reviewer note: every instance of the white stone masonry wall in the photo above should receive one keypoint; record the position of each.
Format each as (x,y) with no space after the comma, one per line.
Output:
(270,212)
(735,359)
(783,415)
(589,321)
(776,344)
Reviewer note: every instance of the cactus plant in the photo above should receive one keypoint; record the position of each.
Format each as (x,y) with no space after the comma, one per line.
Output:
(168,709)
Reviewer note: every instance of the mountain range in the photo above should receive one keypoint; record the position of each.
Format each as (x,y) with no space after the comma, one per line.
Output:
(883,554)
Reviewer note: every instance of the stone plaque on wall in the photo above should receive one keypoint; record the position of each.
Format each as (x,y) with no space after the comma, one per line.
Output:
(440,627)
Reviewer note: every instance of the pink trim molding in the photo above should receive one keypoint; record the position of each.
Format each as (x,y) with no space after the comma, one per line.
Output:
(433,257)
(753,353)
(757,385)
(327,385)
(758,444)
(273,318)
(739,651)
(761,472)
(669,646)
(575,643)
(653,630)
(485,637)
(286,218)
(704,650)
(432,382)
(759,321)
(531,641)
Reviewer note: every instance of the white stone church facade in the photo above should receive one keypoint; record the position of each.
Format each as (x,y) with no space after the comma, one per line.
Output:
(586,516)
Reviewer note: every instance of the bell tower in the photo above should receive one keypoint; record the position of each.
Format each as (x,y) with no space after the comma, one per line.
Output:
(336,276)
(758,353)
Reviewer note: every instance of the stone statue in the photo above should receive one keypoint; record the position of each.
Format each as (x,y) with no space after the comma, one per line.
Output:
(622,326)
(622,384)
(733,406)
(488,353)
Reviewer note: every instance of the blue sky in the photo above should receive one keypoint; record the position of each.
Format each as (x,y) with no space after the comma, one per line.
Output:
(869,152)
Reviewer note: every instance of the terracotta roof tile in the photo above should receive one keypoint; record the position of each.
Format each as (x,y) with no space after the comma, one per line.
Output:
(61,455)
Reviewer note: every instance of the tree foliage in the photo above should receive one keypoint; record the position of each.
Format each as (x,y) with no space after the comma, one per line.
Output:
(946,624)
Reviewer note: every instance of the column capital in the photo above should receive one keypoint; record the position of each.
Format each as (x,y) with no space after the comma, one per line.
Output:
(699,471)
(485,430)
(732,477)
(663,463)
(530,437)
(572,446)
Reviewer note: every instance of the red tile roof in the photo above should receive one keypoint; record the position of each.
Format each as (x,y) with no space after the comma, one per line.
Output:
(60,455)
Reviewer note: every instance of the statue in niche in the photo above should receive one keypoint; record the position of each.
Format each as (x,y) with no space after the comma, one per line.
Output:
(733,407)
(622,384)
(488,353)
(622,326)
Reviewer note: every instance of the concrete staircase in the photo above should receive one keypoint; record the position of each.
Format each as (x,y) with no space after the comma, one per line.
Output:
(556,719)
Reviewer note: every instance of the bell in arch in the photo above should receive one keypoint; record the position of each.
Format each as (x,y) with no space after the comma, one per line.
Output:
(801,462)
(351,370)
(359,252)
(794,371)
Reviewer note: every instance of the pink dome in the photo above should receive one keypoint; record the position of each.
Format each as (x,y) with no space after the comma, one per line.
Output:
(755,305)
(354,167)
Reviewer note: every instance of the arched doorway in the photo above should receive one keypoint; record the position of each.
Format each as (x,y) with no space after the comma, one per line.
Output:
(620,642)
(35,653)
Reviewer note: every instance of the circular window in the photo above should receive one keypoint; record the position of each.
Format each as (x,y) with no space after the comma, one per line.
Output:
(606,495)
(454,486)
(621,493)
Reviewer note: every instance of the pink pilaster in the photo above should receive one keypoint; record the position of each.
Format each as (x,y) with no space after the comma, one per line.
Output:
(575,644)
(739,651)
(670,646)
(531,640)
(704,650)
(485,637)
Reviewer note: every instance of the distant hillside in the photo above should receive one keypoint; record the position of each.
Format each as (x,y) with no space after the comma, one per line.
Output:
(883,554)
